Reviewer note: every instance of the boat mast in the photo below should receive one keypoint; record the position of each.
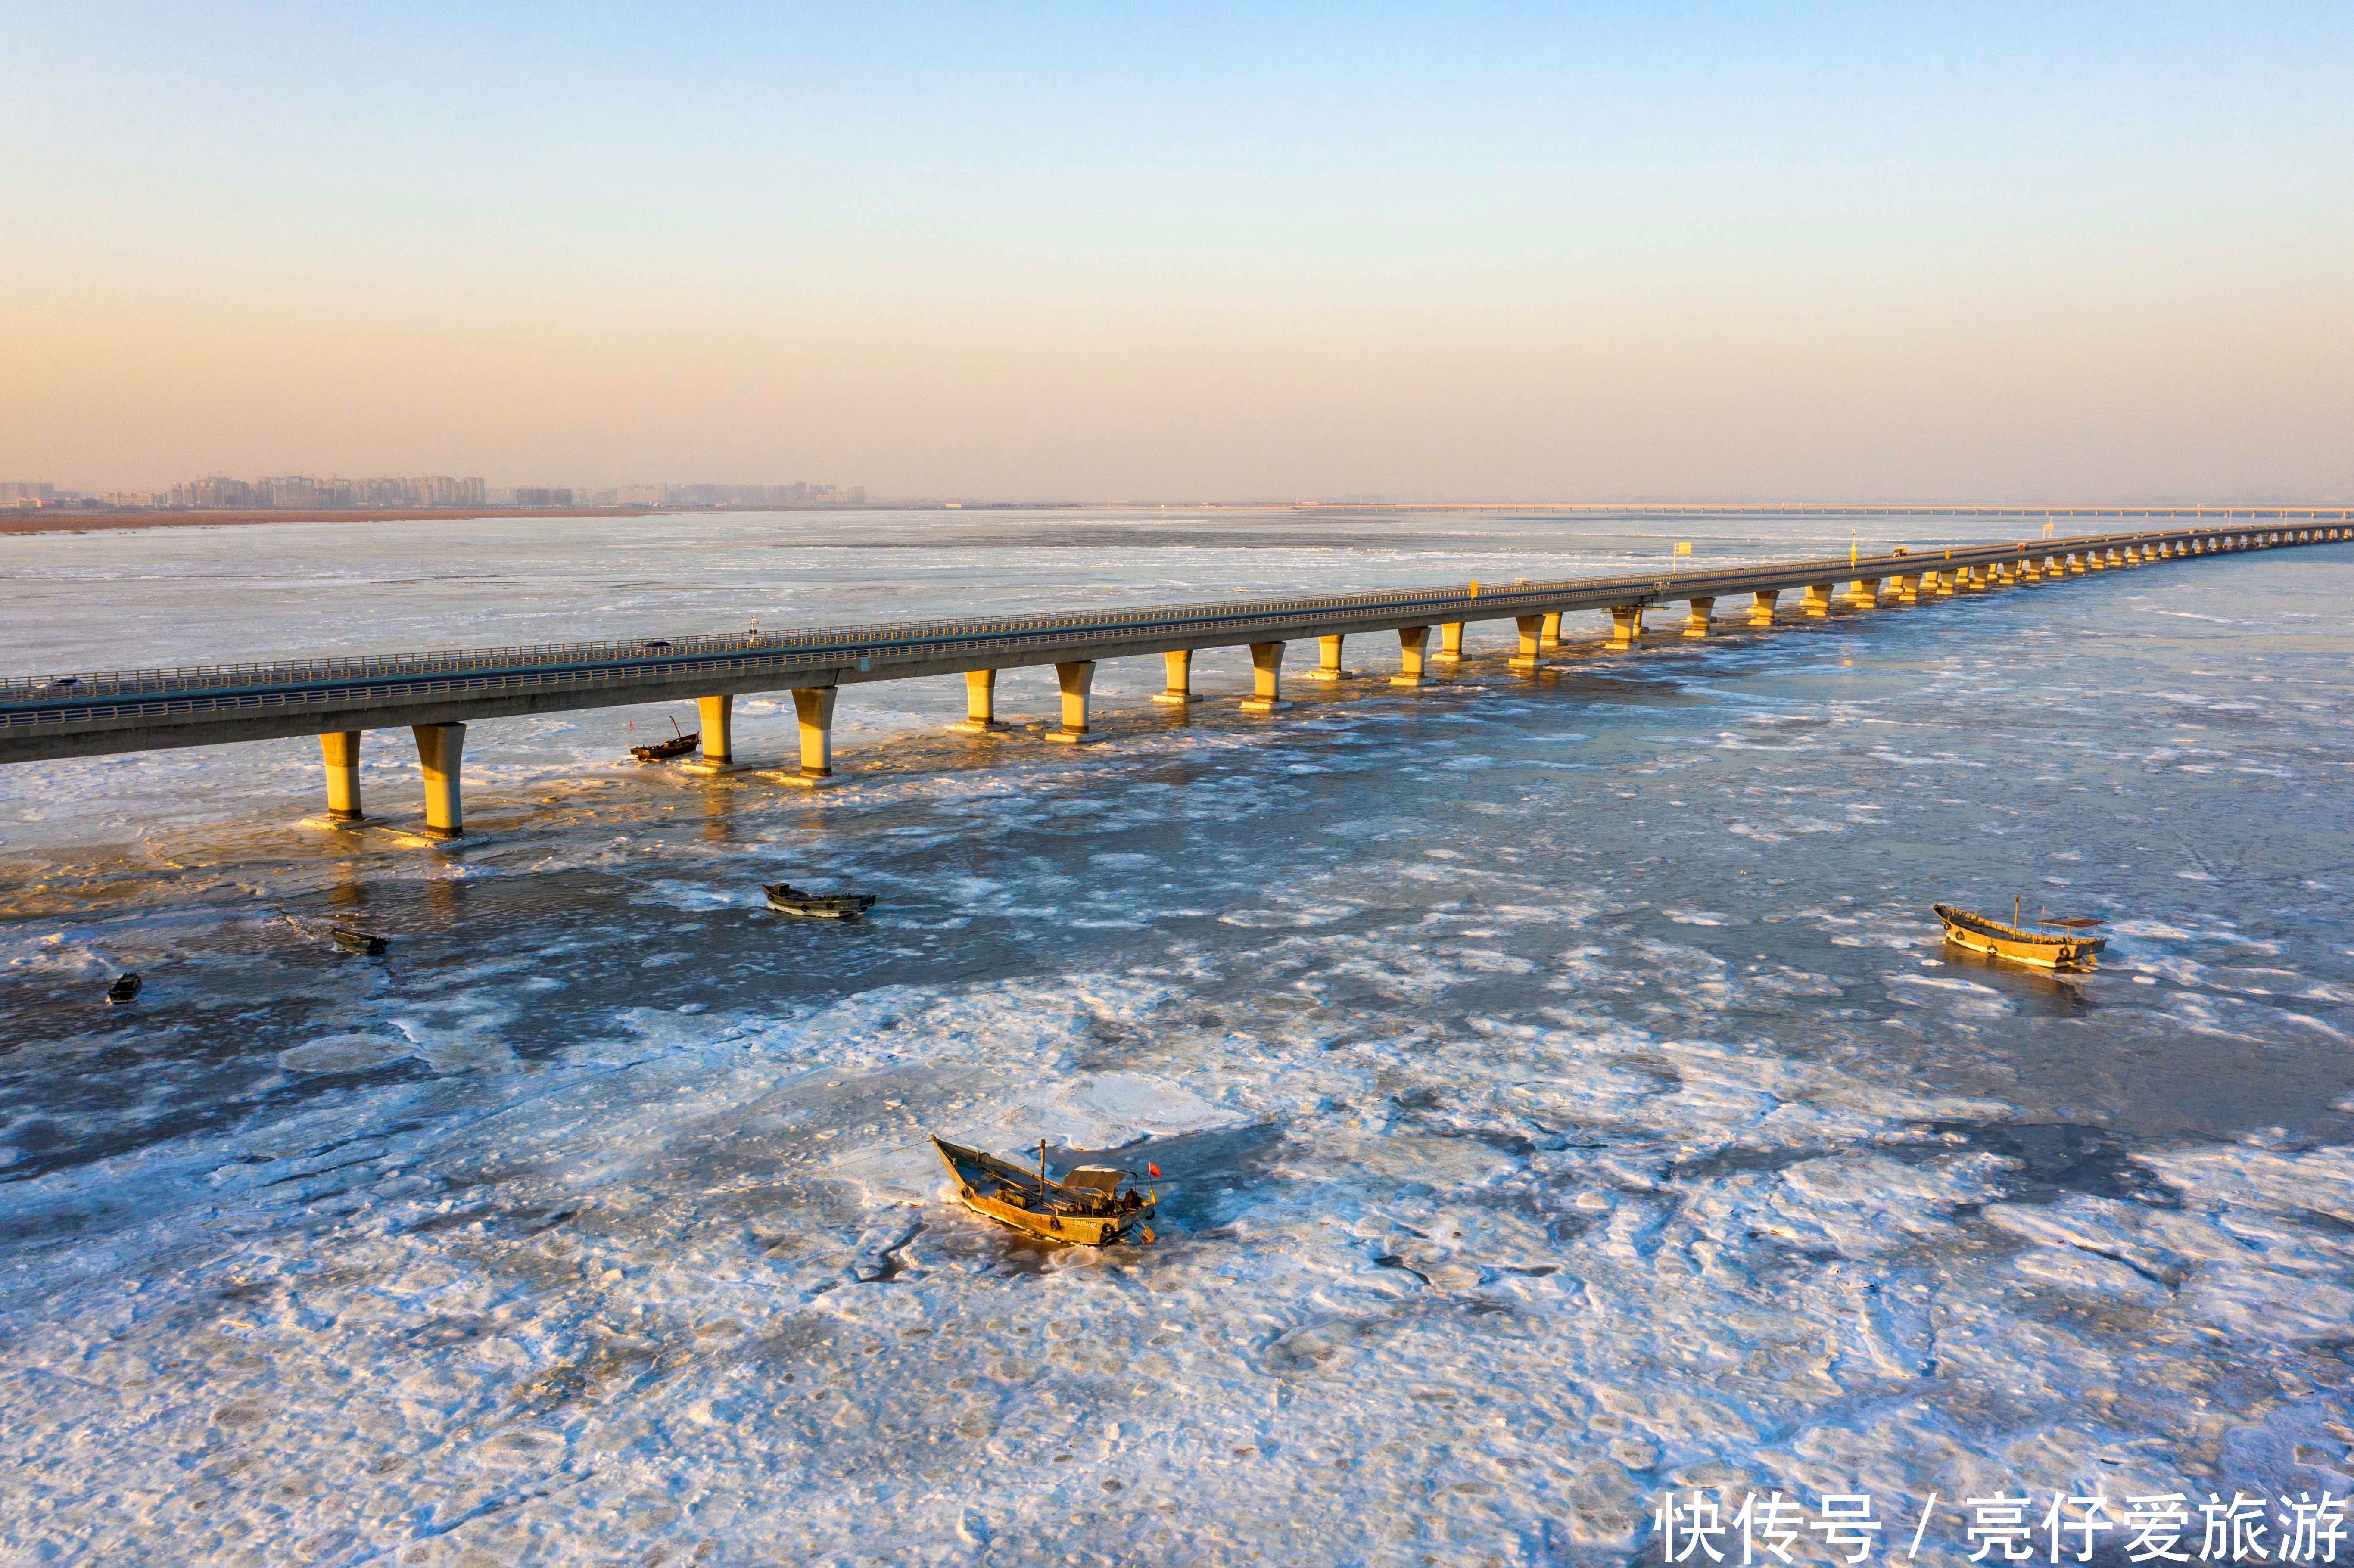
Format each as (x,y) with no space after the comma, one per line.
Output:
(1041,1170)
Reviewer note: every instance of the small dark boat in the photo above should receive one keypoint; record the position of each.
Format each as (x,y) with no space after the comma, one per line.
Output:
(1085,1208)
(785,898)
(358,942)
(2071,949)
(663,750)
(124,988)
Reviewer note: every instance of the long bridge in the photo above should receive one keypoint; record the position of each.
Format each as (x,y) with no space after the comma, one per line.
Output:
(436,694)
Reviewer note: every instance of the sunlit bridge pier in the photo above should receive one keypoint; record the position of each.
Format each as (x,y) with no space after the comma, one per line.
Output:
(437,695)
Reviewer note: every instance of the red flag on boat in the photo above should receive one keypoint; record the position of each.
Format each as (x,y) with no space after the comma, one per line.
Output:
(1155,1168)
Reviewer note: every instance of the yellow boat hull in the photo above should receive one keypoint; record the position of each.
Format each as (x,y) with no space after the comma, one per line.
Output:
(1061,1230)
(1979,935)
(1053,1212)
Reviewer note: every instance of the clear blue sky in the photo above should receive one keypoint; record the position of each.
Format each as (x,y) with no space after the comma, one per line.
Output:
(1931,250)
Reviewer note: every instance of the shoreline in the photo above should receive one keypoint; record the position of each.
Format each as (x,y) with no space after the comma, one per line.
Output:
(31,523)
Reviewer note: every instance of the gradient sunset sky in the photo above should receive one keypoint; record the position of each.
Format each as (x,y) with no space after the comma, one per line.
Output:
(1932,251)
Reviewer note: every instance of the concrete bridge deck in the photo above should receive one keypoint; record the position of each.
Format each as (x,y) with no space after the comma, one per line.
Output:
(437,694)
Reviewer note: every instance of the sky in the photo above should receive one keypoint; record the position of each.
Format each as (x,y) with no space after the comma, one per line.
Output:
(1932,252)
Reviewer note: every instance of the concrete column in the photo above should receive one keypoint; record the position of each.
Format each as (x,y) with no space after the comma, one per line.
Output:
(1267,679)
(1525,659)
(718,730)
(1946,583)
(1696,614)
(1328,660)
(1450,642)
(1181,679)
(1907,589)
(1077,681)
(341,750)
(1818,602)
(2097,560)
(1549,634)
(2076,563)
(980,703)
(813,707)
(1625,626)
(1412,640)
(440,749)
(1864,593)
(1761,607)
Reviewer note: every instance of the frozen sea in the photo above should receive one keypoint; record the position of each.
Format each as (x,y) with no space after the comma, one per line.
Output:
(1564,1090)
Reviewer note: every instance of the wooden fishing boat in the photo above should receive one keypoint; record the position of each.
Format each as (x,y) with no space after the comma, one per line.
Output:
(2069,948)
(786,899)
(1086,1207)
(352,941)
(663,750)
(124,988)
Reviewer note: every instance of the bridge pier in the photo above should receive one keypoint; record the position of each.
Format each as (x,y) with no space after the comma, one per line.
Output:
(1412,640)
(1450,642)
(1946,583)
(341,751)
(1267,679)
(813,707)
(1907,589)
(1328,660)
(717,721)
(1696,616)
(980,703)
(1864,593)
(1527,658)
(440,749)
(1179,681)
(1076,680)
(1625,626)
(1761,607)
(1549,634)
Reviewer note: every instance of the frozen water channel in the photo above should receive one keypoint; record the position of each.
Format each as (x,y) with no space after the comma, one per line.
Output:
(1564,1089)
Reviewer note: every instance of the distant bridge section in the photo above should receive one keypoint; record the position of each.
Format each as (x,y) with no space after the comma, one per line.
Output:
(437,695)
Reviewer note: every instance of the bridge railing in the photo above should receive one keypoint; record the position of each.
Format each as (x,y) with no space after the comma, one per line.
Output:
(133,692)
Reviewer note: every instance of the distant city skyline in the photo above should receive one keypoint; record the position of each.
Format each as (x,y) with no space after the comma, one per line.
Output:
(1937,251)
(428,492)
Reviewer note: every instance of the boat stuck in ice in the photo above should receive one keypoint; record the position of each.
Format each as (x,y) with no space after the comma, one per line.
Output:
(786,899)
(2062,944)
(1085,1207)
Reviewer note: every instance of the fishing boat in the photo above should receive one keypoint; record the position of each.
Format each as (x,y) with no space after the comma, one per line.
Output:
(786,899)
(352,941)
(1084,1207)
(124,988)
(663,750)
(2061,944)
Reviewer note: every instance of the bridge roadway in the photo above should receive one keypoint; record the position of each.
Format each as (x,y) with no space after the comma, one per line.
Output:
(436,694)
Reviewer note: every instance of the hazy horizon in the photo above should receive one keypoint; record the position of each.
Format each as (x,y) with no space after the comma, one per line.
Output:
(1953,255)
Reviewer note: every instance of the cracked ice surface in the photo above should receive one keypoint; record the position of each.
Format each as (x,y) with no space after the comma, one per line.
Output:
(1540,1133)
